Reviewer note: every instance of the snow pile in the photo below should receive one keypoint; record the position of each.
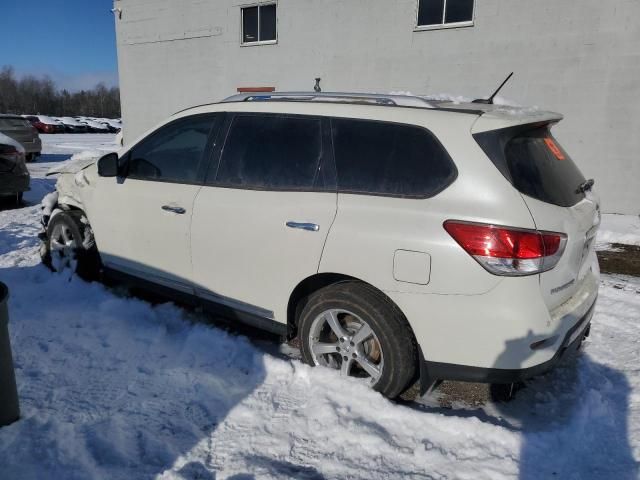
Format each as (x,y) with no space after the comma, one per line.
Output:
(113,387)
(438,97)
(447,97)
(6,140)
(459,99)
(48,202)
(618,229)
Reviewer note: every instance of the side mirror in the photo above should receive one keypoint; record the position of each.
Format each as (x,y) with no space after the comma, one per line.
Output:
(108,165)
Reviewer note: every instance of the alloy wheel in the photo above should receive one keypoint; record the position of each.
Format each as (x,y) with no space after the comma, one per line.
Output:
(342,340)
(63,249)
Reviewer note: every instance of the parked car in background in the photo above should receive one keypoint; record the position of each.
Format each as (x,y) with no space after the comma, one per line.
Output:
(21,130)
(114,126)
(94,127)
(71,125)
(45,124)
(397,238)
(14,176)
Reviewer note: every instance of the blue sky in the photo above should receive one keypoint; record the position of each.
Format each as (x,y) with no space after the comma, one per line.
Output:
(72,41)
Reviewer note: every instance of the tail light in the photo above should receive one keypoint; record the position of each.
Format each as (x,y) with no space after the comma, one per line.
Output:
(9,157)
(9,151)
(508,251)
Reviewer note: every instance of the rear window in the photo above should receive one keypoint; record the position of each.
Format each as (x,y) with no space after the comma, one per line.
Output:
(535,164)
(14,123)
(392,159)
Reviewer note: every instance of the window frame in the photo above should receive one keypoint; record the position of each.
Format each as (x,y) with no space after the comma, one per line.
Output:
(258,42)
(446,184)
(443,25)
(203,163)
(326,162)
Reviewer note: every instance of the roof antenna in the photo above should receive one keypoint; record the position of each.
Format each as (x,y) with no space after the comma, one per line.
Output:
(489,101)
(316,87)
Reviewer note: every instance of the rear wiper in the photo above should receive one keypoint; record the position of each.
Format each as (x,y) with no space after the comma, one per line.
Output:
(585,186)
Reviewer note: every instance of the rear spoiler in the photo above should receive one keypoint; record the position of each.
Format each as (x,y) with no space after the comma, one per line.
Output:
(506,117)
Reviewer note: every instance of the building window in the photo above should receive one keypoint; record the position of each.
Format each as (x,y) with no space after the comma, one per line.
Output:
(259,24)
(445,13)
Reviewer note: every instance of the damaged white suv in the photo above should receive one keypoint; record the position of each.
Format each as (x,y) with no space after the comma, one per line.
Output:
(398,238)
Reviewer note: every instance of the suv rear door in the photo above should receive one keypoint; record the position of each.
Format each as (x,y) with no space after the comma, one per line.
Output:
(261,221)
(550,184)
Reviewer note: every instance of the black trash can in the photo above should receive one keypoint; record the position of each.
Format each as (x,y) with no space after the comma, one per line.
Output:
(9,409)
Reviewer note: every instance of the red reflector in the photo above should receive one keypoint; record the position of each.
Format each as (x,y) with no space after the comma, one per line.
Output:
(551,243)
(256,89)
(500,242)
(8,150)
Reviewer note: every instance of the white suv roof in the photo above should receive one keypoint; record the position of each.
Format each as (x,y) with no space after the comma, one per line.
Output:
(336,97)
(498,115)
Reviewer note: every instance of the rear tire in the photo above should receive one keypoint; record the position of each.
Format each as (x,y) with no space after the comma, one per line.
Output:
(70,246)
(332,328)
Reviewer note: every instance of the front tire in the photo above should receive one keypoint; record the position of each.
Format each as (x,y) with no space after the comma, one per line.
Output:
(70,247)
(355,329)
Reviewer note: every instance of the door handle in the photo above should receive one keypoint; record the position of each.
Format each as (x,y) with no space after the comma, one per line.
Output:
(312,227)
(178,210)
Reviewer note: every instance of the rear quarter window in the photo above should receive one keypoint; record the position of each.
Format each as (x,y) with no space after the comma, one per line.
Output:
(535,163)
(380,158)
(14,123)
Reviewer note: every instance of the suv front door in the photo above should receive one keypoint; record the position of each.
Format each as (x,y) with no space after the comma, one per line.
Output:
(142,218)
(260,223)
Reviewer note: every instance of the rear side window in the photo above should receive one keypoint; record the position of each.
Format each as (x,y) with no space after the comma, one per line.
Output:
(173,153)
(535,164)
(272,153)
(389,159)
(14,123)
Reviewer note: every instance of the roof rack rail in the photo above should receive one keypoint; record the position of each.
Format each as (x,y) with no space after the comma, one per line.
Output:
(334,97)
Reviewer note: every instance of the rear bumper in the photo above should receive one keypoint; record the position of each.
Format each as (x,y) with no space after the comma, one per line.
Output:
(33,147)
(446,371)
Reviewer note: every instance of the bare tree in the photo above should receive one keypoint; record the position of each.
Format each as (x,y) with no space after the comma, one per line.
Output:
(39,95)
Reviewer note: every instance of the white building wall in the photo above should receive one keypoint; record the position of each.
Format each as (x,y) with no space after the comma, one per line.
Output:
(581,58)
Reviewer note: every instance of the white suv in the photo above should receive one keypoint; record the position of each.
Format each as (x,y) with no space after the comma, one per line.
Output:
(398,238)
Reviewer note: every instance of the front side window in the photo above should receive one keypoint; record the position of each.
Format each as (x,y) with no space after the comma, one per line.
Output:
(434,13)
(272,153)
(380,158)
(259,24)
(173,153)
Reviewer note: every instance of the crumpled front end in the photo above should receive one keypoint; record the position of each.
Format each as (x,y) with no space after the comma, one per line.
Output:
(67,195)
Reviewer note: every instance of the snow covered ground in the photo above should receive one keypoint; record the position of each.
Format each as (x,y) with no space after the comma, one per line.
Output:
(113,387)
(619,229)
